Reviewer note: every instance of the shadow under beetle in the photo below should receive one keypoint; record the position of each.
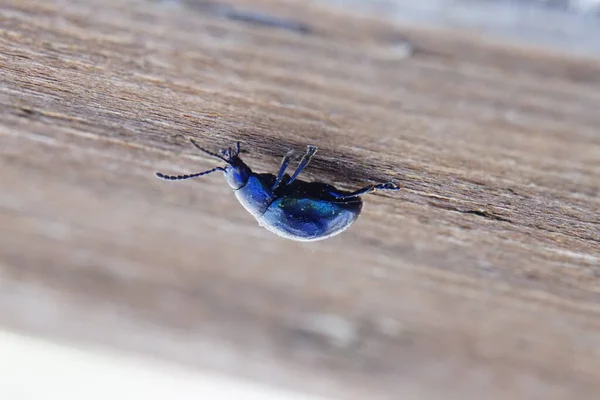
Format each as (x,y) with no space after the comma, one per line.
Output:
(289,207)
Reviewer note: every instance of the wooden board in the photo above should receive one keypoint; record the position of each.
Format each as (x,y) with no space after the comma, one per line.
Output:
(479,278)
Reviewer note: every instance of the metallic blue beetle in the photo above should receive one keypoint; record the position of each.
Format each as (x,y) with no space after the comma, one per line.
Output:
(289,207)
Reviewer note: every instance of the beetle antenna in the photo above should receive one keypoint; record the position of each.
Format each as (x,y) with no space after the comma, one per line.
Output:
(210,153)
(182,177)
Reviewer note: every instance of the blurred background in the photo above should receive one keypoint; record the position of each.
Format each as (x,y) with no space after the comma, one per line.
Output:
(478,279)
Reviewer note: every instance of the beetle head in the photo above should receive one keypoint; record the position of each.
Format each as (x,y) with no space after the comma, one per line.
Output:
(236,171)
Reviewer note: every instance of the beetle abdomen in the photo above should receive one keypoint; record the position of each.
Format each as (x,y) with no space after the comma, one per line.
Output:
(308,219)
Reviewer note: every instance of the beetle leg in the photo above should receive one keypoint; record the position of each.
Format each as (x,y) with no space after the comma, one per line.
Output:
(310,152)
(284,164)
(365,190)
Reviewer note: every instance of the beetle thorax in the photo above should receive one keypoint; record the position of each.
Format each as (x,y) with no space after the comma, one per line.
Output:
(237,173)
(256,195)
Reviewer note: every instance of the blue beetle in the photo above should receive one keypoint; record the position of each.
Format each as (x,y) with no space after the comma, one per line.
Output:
(289,207)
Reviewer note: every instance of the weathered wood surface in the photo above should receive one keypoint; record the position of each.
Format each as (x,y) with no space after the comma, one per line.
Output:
(480,279)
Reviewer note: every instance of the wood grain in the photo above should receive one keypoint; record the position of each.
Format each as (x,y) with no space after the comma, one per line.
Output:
(479,279)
